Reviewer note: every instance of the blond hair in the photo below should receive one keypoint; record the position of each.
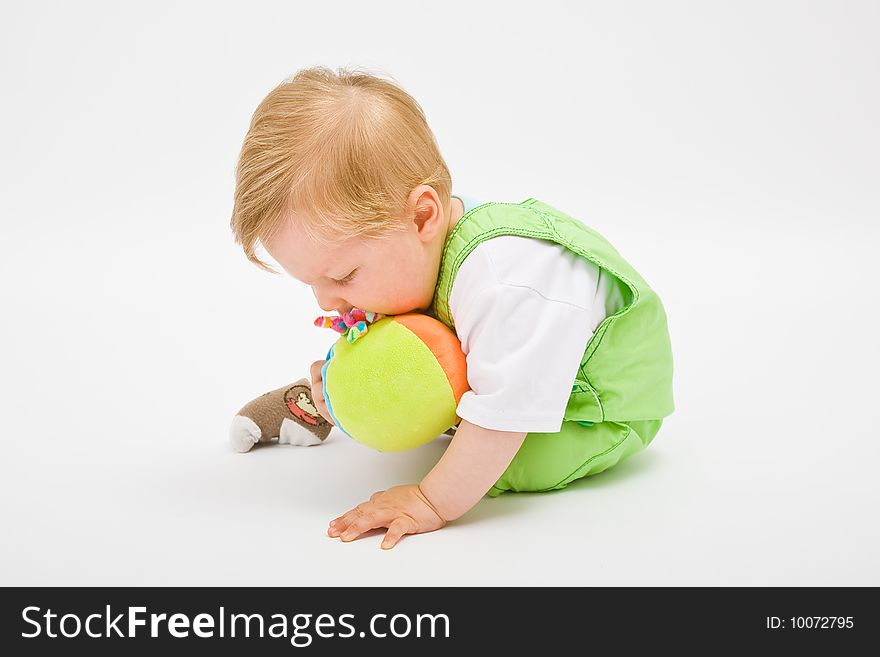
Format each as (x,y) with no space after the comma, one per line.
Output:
(347,147)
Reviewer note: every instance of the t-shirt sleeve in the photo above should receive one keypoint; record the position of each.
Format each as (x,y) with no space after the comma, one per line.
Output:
(523,350)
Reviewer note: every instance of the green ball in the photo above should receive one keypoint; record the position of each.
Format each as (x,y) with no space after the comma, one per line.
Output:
(398,385)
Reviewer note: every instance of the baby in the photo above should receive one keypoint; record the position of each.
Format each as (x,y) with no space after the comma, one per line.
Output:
(569,361)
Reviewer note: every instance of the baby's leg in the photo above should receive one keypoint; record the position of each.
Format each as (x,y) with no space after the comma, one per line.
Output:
(549,461)
(287,413)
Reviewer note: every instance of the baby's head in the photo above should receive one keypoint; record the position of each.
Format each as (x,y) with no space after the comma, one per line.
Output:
(341,181)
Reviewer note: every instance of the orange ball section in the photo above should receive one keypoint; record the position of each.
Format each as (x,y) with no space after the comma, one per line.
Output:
(445,346)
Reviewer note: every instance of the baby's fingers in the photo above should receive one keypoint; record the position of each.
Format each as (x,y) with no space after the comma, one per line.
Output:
(321,404)
(317,388)
(340,524)
(315,370)
(398,527)
(364,523)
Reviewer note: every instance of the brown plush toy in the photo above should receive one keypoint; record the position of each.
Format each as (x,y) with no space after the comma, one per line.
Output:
(286,413)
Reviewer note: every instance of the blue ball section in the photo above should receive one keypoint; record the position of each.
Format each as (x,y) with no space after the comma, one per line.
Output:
(326,398)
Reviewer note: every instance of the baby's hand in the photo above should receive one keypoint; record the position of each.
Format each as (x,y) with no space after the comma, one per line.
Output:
(403,509)
(318,391)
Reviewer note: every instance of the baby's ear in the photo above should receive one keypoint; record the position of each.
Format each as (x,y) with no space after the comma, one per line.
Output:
(287,413)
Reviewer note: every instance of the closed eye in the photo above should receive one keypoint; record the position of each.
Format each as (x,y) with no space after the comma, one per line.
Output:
(347,279)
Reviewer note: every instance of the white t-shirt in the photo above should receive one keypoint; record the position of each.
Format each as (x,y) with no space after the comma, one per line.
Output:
(524,310)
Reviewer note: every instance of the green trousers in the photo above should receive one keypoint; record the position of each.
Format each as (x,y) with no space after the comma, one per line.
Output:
(549,461)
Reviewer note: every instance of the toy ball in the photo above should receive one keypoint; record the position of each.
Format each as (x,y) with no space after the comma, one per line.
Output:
(393,382)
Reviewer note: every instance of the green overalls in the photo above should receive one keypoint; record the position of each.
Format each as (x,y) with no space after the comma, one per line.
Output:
(623,388)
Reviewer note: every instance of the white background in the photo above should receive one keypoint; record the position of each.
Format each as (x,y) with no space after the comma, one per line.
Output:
(729,150)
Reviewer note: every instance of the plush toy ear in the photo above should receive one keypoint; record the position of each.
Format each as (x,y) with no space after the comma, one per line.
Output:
(287,413)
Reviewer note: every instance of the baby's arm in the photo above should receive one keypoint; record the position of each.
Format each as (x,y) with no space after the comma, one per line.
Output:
(475,459)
